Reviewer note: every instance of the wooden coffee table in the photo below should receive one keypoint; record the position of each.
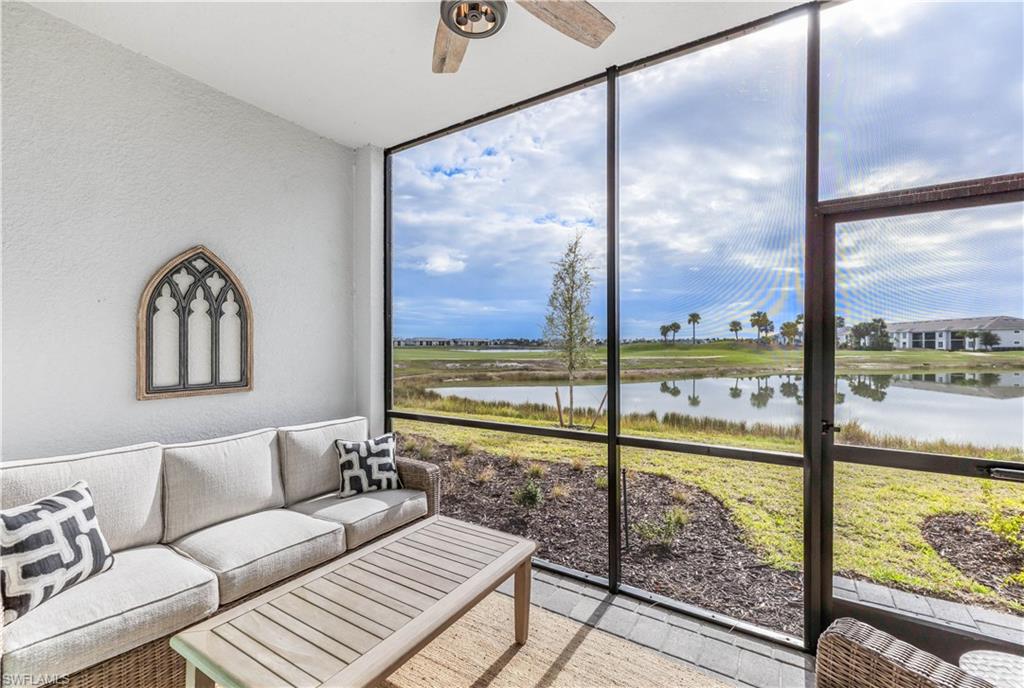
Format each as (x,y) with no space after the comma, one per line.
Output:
(356,619)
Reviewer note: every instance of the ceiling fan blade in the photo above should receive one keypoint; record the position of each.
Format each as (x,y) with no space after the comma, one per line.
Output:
(576,19)
(449,50)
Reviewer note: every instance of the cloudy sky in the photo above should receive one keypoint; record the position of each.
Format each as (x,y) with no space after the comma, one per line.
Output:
(712,182)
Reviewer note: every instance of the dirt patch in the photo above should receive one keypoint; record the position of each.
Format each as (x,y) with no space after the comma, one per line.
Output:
(699,557)
(976,551)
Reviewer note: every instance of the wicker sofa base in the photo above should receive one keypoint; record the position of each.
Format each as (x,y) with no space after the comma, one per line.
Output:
(153,665)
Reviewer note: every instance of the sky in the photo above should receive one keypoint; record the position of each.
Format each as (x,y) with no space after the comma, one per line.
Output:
(712,150)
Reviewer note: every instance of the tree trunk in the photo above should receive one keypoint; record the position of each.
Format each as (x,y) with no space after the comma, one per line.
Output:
(558,403)
(694,333)
(571,420)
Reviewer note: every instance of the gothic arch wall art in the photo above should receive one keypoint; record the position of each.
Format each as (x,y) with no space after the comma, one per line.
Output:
(194,329)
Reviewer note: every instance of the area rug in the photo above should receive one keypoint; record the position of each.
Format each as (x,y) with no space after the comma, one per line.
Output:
(478,652)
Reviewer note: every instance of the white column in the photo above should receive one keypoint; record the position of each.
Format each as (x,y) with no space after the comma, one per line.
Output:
(368,287)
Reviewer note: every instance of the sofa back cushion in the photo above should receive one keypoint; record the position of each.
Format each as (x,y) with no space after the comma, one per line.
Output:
(126,485)
(216,480)
(309,461)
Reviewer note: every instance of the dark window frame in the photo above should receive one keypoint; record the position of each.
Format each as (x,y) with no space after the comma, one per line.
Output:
(820,451)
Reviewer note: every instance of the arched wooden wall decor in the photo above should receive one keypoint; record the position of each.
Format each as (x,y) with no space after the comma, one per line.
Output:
(194,329)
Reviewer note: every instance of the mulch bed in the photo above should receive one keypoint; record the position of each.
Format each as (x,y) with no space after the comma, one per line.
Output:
(976,551)
(705,562)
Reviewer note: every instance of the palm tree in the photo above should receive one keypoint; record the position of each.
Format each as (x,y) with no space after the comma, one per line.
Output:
(693,320)
(735,326)
(674,327)
(789,332)
(664,332)
(758,320)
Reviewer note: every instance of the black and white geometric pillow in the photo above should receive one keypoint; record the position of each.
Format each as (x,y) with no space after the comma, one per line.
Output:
(368,465)
(47,547)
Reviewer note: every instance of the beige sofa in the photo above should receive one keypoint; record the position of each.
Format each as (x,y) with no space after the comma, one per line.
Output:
(193,527)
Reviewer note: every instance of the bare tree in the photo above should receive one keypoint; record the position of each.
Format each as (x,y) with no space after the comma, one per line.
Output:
(568,326)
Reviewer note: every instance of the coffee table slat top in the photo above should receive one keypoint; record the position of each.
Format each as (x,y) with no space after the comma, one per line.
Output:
(352,621)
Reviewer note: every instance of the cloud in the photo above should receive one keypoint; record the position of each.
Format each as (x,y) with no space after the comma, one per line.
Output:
(443,263)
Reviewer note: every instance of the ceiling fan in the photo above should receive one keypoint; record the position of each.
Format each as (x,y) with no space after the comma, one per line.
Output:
(461,21)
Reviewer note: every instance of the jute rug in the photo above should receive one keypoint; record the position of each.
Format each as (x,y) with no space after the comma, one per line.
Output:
(478,652)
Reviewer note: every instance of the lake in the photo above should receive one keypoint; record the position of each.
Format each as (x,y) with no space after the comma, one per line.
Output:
(983,408)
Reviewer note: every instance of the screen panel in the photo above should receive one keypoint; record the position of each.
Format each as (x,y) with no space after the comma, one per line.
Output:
(712,243)
(499,291)
(918,93)
(930,332)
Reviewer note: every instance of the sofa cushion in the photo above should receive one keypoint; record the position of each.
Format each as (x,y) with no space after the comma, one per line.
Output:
(216,480)
(254,551)
(126,485)
(367,515)
(47,547)
(149,593)
(309,461)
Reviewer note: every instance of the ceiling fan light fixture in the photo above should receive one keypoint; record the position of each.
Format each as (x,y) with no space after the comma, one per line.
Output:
(474,19)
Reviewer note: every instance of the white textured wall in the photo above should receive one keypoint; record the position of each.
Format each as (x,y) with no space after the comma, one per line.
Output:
(368,274)
(111,165)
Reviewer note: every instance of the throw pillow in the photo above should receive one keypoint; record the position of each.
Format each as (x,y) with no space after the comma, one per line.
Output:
(367,465)
(48,546)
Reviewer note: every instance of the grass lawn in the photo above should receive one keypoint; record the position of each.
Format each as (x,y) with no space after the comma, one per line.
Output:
(878,511)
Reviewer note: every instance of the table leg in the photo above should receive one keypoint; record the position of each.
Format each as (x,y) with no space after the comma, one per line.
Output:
(194,678)
(522,601)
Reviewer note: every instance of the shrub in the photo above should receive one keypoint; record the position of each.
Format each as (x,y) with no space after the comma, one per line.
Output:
(528,495)
(536,470)
(409,445)
(486,475)
(654,533)
(677,517)
(601,482)
(458,465)
(577,464)
(464,448)
(515,459)
(663,532)
(560,491)
(1003,519)
(680,496)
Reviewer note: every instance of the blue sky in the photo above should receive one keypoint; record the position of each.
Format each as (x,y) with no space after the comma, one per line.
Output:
(712,182)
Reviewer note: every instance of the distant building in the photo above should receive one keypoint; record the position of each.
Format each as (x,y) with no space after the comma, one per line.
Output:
(440,341)
(950,334)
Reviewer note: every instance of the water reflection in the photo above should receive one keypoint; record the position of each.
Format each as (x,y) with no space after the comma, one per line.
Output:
(985,408)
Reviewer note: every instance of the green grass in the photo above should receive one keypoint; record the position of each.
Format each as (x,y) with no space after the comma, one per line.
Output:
(878,511)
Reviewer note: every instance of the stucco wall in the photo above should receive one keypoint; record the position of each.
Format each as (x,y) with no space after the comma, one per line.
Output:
(112,164)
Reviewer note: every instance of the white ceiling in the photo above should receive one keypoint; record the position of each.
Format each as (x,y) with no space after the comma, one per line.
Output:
(359,72)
